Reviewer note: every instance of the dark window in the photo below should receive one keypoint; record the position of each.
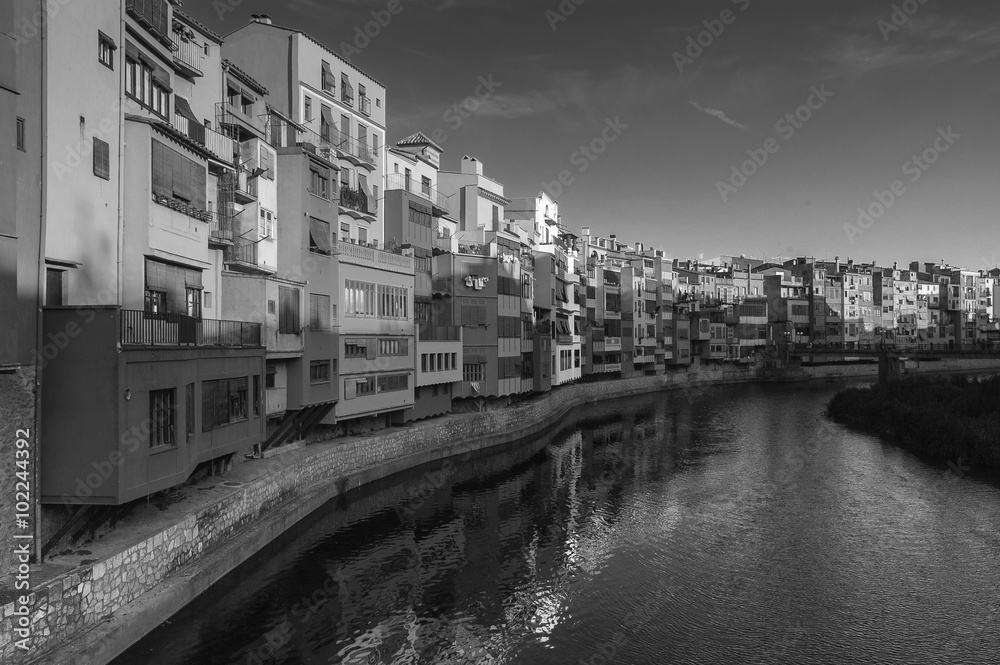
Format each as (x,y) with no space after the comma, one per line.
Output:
(319,182)
(496,213)
(288,311)
(256,395)
(54,287)
(223,401)
(20,135)
(161,418)
(105,50)
(193,302)
(156,301)
(148,84)
(319,371)
(189,409)
(102,159)
(269,379)
(393,383)
(356,349)
(319,312)
(175,177)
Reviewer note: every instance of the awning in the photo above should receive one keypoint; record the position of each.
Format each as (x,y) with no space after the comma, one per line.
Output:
(107,38)
(183,108)
(327,116)
(319,231)
(329,79)
(162,78)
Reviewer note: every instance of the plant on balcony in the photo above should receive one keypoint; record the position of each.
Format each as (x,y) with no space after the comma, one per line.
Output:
(354,199)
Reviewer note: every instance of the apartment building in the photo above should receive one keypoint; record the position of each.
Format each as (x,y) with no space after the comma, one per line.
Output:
(480,272)
(414,211)
(604,259)
(21,240)
(129,248)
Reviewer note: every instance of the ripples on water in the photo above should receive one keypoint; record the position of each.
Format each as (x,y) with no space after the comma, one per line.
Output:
(736,527)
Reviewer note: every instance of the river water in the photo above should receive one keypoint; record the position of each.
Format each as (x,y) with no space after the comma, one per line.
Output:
(726,525)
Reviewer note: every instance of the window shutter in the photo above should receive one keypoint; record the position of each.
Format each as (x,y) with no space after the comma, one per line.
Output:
(350,388)
(371,350)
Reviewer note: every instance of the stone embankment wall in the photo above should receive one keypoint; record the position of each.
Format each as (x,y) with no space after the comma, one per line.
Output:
(67,607)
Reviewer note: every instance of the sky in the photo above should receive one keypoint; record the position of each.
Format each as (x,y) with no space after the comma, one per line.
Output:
(651,110)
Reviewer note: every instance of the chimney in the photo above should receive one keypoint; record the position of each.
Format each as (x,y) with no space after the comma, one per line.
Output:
(585,231)
(836,261)
(472,166)
(261,18)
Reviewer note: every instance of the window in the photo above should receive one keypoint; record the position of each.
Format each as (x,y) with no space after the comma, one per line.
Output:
(420,215)
(256,395)
(269,380)
(156,301)
(365,386)
(327,80)
(307,109)
(266,163)
(359,298)
(20,135)
(189,409)
(193,300)
(319,312)
(345,232)
(319,237)
(319,181)
(473,372)
(473,311)
(393,347)
(175,177)
(266,227)
(288,310)
(346,90)
(425,186)
(105,50)
(54,287)
(147,83)
(362,236)
(356,348)
(161,418)
(102,157)
(393,383)
(223,402)
(392,302)
(319,371)
(496,213)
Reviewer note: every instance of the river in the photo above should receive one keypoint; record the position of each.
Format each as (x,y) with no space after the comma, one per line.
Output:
(725,525)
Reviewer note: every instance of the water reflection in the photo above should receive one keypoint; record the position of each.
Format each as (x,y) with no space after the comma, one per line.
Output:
(738,526)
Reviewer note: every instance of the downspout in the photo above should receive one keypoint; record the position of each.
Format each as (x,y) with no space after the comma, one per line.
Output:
(39,332)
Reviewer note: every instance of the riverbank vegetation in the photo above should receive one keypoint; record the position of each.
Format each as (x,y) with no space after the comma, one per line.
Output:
(945,418)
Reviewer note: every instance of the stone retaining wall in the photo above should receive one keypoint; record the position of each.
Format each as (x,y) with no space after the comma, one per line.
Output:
(65,607)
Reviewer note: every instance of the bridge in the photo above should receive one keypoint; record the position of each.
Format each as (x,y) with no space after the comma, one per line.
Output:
(890,357)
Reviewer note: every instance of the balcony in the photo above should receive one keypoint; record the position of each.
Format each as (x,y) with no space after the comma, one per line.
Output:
(373,258)
(188,56)
(182,207)
(612,314)
(564,340)
(354,199)
(612,343)
(612,367)
(242,257)
(220,228)
(236,123)
(400,181)
(223,147)
(246,188)
(139,328)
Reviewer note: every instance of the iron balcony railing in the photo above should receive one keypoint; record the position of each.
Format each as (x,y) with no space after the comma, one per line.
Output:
(189,54)
(400,181)
(354,199)
(223,147)
(243,251)
(220,226)
(139,328)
